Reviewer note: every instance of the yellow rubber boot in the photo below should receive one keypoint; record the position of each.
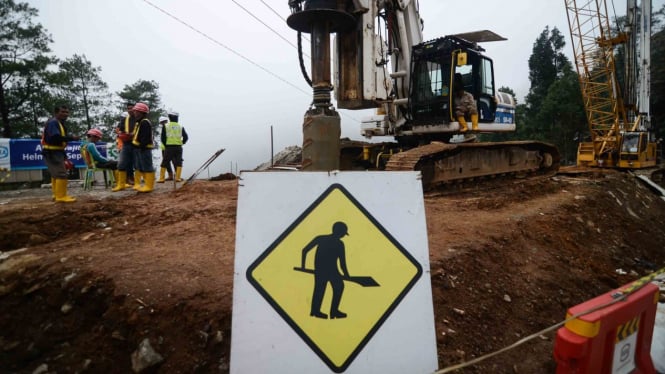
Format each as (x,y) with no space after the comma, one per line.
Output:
(474,122)
(149,182)
(121,181)
(462,124)
(178,171)
(61,192)
(53,189)
(162,175)
(137,180)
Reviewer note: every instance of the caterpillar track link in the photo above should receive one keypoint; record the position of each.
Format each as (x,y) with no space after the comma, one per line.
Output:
(445,163)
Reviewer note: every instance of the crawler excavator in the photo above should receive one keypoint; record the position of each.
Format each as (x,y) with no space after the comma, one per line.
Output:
(381,62)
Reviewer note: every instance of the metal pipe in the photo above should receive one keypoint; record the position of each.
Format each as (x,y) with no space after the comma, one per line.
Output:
(320,42)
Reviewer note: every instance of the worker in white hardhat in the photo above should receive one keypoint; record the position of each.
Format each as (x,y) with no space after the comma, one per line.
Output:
(165,167)
(173,139)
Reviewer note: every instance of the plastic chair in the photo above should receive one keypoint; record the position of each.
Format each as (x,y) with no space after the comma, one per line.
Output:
(91,169)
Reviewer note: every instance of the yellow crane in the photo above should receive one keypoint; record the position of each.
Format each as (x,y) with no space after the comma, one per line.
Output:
(619,125)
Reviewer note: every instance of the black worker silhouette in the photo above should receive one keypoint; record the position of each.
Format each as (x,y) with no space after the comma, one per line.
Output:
(329,252)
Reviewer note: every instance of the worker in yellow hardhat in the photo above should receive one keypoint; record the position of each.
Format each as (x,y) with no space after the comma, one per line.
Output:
(173,138)
(165,166)
(465,105)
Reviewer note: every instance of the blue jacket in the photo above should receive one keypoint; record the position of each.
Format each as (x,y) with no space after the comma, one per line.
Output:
(94,153)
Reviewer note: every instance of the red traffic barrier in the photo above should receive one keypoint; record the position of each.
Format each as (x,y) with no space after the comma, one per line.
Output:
(615,339)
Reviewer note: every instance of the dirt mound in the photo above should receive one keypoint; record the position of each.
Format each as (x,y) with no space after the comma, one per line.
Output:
(224,177)
(96,278)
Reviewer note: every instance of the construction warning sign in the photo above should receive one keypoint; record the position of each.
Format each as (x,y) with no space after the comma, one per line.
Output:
(335,275)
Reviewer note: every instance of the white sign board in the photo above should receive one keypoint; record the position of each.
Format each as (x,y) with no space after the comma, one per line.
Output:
(625,347)
(4,154)
(332,274)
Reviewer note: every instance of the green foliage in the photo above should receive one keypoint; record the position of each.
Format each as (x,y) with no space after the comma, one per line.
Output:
(23,63)
(561,119)
(32,82)
(80,85)
(553,111)
(145,92)
(546,64)
(30,85)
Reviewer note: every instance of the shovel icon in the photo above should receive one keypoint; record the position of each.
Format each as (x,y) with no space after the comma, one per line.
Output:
(363,281)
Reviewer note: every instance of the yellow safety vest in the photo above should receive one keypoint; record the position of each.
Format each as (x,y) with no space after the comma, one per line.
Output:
(55,147)
(135,139)
(173,133)
(127,125)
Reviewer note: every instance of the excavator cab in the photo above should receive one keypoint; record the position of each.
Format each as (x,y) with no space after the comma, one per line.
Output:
(434,64)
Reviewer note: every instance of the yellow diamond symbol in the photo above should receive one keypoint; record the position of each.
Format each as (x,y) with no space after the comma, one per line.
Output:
(335,276)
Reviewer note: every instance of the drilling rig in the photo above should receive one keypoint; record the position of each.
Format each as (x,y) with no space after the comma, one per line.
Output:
(381,62)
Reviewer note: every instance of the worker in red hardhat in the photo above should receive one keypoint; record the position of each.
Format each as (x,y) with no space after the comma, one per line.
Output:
(143,143)
(95,135)
(165,166)
(173,138)
(54,141)
(125,130)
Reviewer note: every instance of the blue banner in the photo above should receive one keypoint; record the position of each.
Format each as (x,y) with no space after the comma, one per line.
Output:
(26,154)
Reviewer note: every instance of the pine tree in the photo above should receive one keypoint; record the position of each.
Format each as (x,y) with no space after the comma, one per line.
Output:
(23,66)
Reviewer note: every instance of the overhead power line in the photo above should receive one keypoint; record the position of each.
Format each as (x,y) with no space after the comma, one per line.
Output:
(273,10)
(265,24)
(277,14)
(215,41)
(225,46)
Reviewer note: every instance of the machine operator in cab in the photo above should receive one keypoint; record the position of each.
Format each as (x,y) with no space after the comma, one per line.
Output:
(464,105)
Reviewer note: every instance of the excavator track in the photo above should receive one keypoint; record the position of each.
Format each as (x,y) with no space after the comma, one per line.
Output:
(445,163)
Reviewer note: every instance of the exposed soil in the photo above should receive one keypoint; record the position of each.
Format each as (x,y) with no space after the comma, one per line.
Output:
(99,276)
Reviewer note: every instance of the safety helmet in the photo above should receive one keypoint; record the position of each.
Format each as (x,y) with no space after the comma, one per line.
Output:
(162,119)
(174,113)
(340,229)
(141,107)
(94,132)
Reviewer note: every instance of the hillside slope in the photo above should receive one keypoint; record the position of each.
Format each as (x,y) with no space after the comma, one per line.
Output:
(96,278)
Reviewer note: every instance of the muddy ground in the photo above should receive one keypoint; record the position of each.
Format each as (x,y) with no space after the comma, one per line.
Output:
(95,278)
